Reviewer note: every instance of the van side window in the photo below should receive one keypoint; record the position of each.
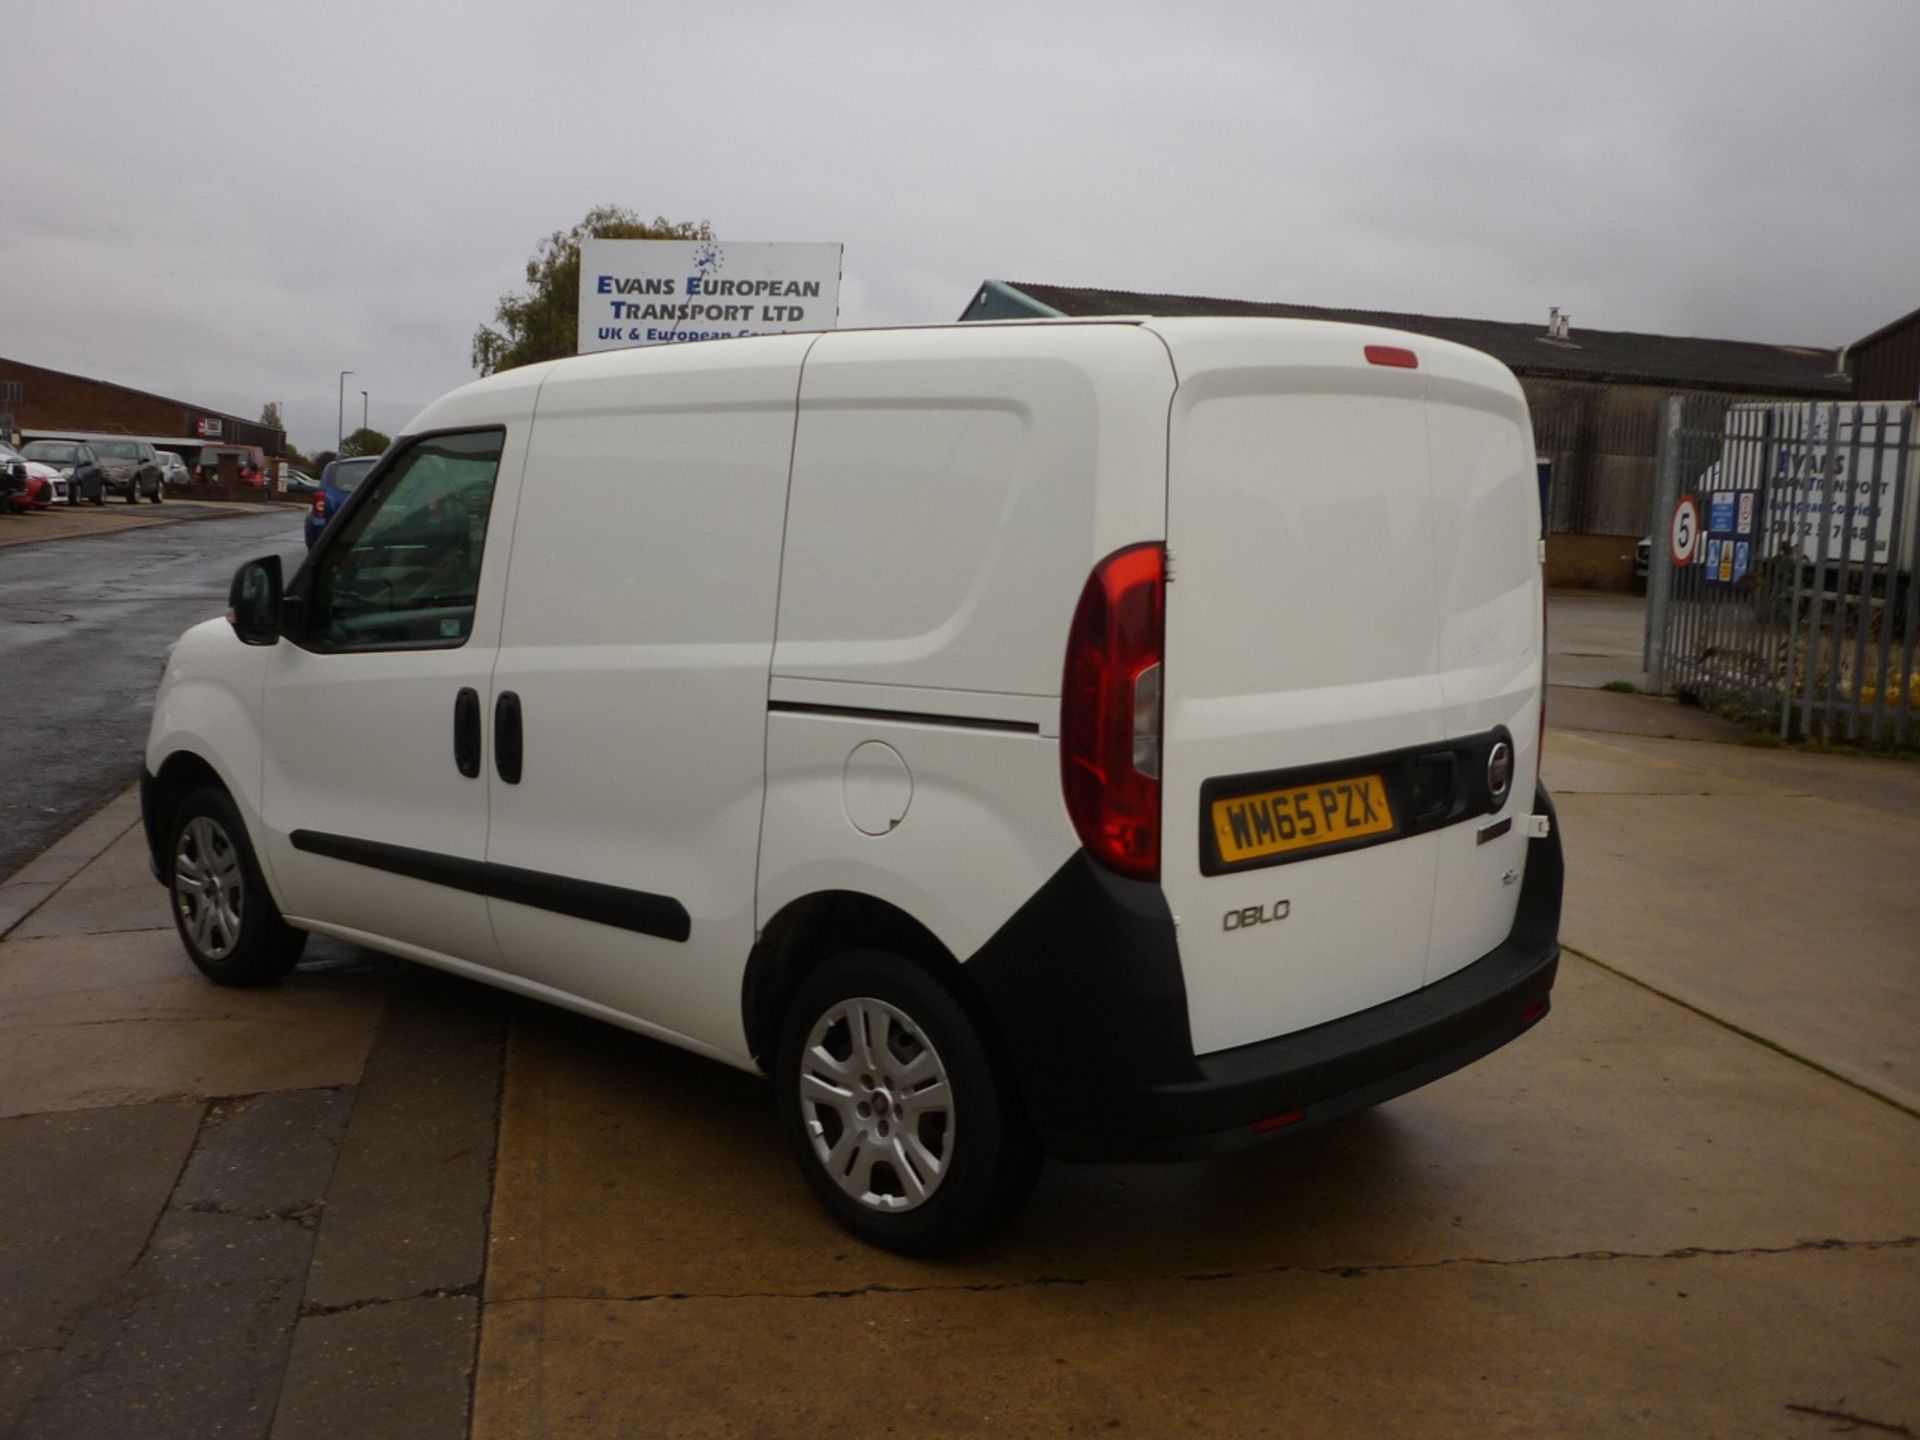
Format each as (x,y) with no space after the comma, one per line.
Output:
(403,570)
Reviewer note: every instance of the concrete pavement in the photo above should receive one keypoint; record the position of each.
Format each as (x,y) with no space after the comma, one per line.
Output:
(66,522)
(1688,1204)
(223,1211)
(1634,1220)
(1597,638)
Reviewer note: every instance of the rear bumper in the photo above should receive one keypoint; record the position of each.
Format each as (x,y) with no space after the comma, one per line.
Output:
(1100,1041)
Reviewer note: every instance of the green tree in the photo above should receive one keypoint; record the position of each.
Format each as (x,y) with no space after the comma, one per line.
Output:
(365,441)
(543,323)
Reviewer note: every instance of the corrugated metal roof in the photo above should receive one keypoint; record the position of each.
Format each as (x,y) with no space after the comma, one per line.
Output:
(1526,349)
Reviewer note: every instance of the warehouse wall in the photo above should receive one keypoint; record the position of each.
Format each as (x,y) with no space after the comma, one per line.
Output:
(1887,365)
(1602,439)
(55,400)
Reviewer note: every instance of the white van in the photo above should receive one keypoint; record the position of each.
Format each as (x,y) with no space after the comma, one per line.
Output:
(1111,740)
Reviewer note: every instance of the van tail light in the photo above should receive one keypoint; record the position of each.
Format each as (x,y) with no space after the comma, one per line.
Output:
(319,504)
(1110,711)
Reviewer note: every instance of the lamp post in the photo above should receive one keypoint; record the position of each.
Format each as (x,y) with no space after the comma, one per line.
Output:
(363,409)
(340,444)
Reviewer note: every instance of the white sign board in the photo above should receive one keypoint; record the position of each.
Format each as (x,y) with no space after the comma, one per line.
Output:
(655,292)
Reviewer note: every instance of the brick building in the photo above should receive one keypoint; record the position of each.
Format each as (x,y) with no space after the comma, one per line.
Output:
(1594,395)
(55,405)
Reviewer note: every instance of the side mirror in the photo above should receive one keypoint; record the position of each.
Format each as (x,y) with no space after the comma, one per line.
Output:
(255,602)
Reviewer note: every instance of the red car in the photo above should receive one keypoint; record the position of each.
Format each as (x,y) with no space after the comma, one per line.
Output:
(42,486)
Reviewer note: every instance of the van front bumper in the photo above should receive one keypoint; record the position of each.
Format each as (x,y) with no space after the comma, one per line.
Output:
(1087,994)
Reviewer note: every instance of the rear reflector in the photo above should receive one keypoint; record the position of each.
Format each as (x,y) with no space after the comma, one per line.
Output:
(1277,1122)
(1533,1012)
(1392,355)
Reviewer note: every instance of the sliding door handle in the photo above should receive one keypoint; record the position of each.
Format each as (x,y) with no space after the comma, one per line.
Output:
(466,732)
(506,736)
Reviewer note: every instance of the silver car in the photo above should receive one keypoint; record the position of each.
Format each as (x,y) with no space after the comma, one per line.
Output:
(173,469)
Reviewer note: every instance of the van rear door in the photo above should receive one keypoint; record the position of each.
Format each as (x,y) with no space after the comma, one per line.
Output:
(1308,712)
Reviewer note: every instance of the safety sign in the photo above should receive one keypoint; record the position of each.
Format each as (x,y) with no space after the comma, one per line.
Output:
(1684,531)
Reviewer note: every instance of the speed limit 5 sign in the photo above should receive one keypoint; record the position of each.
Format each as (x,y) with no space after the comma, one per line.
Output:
(1684,533)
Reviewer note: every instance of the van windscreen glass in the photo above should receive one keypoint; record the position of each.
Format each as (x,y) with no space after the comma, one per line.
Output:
(403,570)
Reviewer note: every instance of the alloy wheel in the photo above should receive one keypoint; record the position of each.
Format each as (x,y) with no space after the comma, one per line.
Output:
(208,886)
(877,1104)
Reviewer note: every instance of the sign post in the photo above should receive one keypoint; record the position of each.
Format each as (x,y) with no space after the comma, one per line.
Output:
(659,292)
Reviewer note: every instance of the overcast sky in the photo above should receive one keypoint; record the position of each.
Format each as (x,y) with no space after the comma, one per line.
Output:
(229,203)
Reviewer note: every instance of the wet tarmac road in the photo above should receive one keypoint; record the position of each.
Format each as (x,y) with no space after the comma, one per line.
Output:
(84,628)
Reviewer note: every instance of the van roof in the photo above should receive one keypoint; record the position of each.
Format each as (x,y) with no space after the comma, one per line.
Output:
(490,392)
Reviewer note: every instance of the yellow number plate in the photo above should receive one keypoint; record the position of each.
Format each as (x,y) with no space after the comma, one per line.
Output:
(1304,817)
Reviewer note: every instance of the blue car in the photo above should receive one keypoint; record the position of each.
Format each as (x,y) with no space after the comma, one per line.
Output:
(337,482)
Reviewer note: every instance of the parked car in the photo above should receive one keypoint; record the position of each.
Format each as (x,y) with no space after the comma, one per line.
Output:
(132,468)
(297,482)
(13,485)
(338,480)
(839,718)
(77,465)
(29,484)
(35,493)
(173,469)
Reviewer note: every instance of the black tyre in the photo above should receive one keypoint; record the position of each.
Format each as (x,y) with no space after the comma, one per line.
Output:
(901,1120)
(133,492)
(221,907)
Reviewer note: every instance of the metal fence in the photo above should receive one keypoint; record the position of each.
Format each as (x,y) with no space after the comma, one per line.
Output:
(1780,584)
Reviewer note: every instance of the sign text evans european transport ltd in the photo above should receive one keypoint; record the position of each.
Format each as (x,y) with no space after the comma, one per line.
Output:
(655,292)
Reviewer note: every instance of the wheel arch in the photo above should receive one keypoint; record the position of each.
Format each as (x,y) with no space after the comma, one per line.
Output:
(161,791)
(811,930)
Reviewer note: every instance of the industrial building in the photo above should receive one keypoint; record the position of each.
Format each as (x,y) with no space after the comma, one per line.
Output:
(1886,364)
(38,403)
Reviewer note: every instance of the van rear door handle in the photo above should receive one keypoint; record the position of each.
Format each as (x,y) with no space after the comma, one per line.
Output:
(466,732)
(506,736)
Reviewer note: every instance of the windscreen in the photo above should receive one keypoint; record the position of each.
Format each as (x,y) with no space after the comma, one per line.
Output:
(116,449)
(53,452)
